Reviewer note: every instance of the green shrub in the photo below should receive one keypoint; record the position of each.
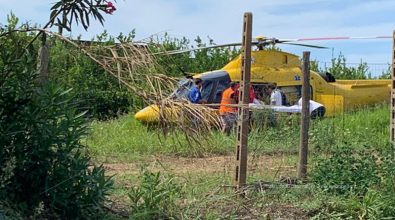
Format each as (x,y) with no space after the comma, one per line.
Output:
(45,172)
(155,197)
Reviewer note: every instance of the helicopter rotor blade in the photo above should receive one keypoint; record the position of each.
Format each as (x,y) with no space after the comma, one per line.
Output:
(268,41)
(304,45)
(198,48)
(336,38)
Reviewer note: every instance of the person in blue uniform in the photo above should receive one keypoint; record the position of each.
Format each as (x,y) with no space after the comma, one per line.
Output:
(195,95)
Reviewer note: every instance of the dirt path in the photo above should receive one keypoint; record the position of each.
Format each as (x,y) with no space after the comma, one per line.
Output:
(181,165)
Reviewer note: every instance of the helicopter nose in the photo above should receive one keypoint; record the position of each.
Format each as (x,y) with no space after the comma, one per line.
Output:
(148,114)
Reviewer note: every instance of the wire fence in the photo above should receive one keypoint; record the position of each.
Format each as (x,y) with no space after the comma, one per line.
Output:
(370,70)
(273,146)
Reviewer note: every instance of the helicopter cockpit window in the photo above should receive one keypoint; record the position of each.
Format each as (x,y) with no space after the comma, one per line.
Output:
(183,88)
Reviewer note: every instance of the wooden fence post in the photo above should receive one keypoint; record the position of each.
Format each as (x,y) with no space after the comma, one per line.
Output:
(243,112)
(304,130)
(392,123)
(43,60)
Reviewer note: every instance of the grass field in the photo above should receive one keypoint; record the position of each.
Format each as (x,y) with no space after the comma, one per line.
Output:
(202,173)
(125,139)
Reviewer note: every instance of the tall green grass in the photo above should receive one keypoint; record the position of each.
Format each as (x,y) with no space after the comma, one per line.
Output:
(127,139)
(365,127)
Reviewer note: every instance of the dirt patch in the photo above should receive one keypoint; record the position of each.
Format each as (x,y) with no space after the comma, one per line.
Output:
(277,211)
(228,207)
(282,165)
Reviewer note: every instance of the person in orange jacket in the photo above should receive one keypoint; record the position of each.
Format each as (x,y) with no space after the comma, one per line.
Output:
(228,113)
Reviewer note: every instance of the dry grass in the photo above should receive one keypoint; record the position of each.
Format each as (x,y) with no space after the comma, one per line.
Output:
(135,67)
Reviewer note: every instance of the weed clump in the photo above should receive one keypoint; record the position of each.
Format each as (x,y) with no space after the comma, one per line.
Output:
(154,197)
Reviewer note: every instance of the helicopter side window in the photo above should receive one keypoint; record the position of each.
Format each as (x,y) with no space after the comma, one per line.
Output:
(222,85)
(206,90)
(294,93)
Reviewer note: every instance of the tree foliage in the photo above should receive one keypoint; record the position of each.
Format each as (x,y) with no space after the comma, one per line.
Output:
(95,91)
(340,69)
(193,62)
(65,12)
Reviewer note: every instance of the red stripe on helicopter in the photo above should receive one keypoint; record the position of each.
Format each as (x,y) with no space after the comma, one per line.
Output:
(342,38)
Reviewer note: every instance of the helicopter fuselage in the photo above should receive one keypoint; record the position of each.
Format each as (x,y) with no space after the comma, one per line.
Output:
(283,69)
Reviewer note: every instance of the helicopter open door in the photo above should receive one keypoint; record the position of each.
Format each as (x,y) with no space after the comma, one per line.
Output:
(214,83)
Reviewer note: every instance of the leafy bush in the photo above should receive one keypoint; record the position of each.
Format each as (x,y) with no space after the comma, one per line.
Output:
(154,197)
(44,170)
(44,161)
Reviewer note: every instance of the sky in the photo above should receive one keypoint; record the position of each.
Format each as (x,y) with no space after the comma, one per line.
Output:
(222,20)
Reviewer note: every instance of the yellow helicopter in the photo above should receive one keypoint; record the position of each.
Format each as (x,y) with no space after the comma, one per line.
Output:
(282,69)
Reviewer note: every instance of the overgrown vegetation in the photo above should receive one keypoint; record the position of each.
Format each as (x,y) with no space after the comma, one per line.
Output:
(154,197)
(95,91)
(366,127)
(45,172)
(351,167)
(363,178)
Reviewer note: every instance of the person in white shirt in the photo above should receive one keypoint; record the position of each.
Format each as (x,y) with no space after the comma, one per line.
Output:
(276,98)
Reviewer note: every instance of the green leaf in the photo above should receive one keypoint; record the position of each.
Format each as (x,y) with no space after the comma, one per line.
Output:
(53,16)
(57,5)
(87,19)
(81,12)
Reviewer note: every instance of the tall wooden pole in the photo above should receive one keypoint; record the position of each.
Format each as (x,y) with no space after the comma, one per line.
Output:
(243,112)
(304,131)
(43,60)
(392,124)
